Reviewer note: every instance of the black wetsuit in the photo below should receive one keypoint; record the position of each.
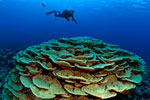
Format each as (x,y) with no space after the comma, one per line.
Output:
(65,14)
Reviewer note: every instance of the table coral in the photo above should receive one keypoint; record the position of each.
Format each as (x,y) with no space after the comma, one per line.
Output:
(79,68)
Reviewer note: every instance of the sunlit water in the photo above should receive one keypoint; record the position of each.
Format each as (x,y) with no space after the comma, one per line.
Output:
(122,22)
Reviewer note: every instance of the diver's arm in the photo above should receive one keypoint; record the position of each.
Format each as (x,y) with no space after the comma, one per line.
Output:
(58,12)
(54,11)
(73,19)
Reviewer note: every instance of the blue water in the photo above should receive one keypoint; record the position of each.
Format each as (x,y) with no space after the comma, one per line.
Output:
(122,22)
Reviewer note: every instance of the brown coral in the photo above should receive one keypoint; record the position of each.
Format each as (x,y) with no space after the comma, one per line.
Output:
(72,69)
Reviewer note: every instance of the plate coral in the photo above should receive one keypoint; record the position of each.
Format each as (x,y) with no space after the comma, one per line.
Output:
(81,68)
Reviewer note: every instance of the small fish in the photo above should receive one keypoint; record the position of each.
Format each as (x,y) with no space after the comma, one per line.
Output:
(43,4)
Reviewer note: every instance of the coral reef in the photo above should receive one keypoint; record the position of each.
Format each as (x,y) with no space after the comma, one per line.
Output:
(78,68)
(1,79)
(6,63)
(142,91)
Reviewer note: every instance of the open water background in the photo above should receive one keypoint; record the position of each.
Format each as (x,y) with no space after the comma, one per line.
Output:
(123,22)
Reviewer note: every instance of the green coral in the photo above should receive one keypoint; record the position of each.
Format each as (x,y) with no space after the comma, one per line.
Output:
(73,68)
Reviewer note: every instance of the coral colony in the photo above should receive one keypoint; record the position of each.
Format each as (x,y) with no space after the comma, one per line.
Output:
(79,68)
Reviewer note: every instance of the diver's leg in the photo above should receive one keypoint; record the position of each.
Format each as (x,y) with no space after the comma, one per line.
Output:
(67,19)
(73,19)
(54,11)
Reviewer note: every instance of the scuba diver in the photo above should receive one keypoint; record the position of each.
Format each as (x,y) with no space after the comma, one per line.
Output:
(65,14)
